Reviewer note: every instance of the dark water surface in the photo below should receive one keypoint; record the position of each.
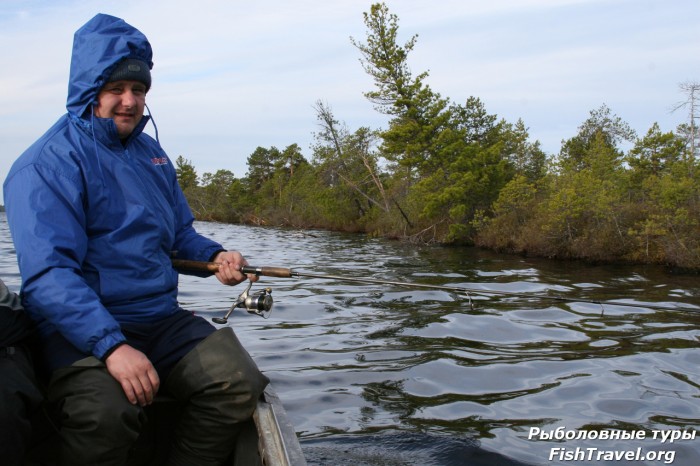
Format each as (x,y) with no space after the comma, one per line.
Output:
(383,375)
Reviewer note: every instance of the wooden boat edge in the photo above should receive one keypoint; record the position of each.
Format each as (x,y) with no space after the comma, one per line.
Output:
(277,440)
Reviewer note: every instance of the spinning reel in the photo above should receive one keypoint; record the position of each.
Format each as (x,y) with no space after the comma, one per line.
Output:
(259,303)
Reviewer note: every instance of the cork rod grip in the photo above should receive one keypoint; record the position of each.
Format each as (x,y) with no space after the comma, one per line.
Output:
(213,267)
(280,272)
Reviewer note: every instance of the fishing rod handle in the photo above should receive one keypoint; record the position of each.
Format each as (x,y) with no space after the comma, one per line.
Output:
(280,272)
(195,266)
(200,266)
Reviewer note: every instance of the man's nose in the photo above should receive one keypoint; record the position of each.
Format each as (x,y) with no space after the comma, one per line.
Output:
(128,98)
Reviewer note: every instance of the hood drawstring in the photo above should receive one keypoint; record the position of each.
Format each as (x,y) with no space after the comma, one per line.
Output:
(150,115)
(94,142)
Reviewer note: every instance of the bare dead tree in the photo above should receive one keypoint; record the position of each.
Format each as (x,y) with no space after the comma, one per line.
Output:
(692,103)
(339,138)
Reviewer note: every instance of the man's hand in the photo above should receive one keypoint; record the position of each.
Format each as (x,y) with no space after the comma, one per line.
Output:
(230,263)
(137,376)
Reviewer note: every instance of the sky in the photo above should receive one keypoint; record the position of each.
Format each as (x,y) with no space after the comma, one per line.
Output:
(231,76)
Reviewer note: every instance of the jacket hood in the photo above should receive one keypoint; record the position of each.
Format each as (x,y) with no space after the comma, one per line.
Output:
(98,47)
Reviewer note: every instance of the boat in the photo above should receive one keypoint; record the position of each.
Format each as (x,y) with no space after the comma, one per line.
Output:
(268,439)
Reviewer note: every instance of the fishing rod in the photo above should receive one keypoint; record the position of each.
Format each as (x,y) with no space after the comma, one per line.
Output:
(261,303)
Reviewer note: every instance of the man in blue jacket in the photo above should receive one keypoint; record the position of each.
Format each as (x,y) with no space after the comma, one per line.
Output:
(95,211)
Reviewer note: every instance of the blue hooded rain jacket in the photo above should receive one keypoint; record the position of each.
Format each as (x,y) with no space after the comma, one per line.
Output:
(94,220)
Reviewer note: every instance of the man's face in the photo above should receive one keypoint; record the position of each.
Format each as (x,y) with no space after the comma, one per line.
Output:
(123,101)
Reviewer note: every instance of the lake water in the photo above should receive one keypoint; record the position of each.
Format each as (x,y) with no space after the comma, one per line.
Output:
(374,374)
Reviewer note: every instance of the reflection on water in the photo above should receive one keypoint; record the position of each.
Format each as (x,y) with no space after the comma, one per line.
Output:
(376,374)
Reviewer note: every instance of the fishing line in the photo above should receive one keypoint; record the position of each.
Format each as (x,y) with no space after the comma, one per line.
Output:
(282,272)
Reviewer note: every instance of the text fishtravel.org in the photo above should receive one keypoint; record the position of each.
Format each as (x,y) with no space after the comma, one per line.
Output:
(596,454)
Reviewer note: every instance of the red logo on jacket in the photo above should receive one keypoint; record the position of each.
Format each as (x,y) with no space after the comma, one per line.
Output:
(159,160)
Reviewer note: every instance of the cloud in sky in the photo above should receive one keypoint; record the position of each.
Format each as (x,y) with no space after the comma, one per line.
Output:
(230,76)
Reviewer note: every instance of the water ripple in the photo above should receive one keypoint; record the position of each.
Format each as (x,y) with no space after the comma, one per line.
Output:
(373,374)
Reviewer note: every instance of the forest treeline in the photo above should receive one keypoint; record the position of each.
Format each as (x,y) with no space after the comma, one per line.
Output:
(452,173)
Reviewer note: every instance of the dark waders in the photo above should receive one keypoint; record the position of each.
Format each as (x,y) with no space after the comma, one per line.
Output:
(216,385)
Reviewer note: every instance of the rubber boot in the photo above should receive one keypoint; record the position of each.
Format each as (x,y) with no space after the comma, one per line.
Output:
(219,386)
(98,425)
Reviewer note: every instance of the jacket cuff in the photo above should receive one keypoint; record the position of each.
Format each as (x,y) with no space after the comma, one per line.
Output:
(216,253)
(107,345)
(111,350)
